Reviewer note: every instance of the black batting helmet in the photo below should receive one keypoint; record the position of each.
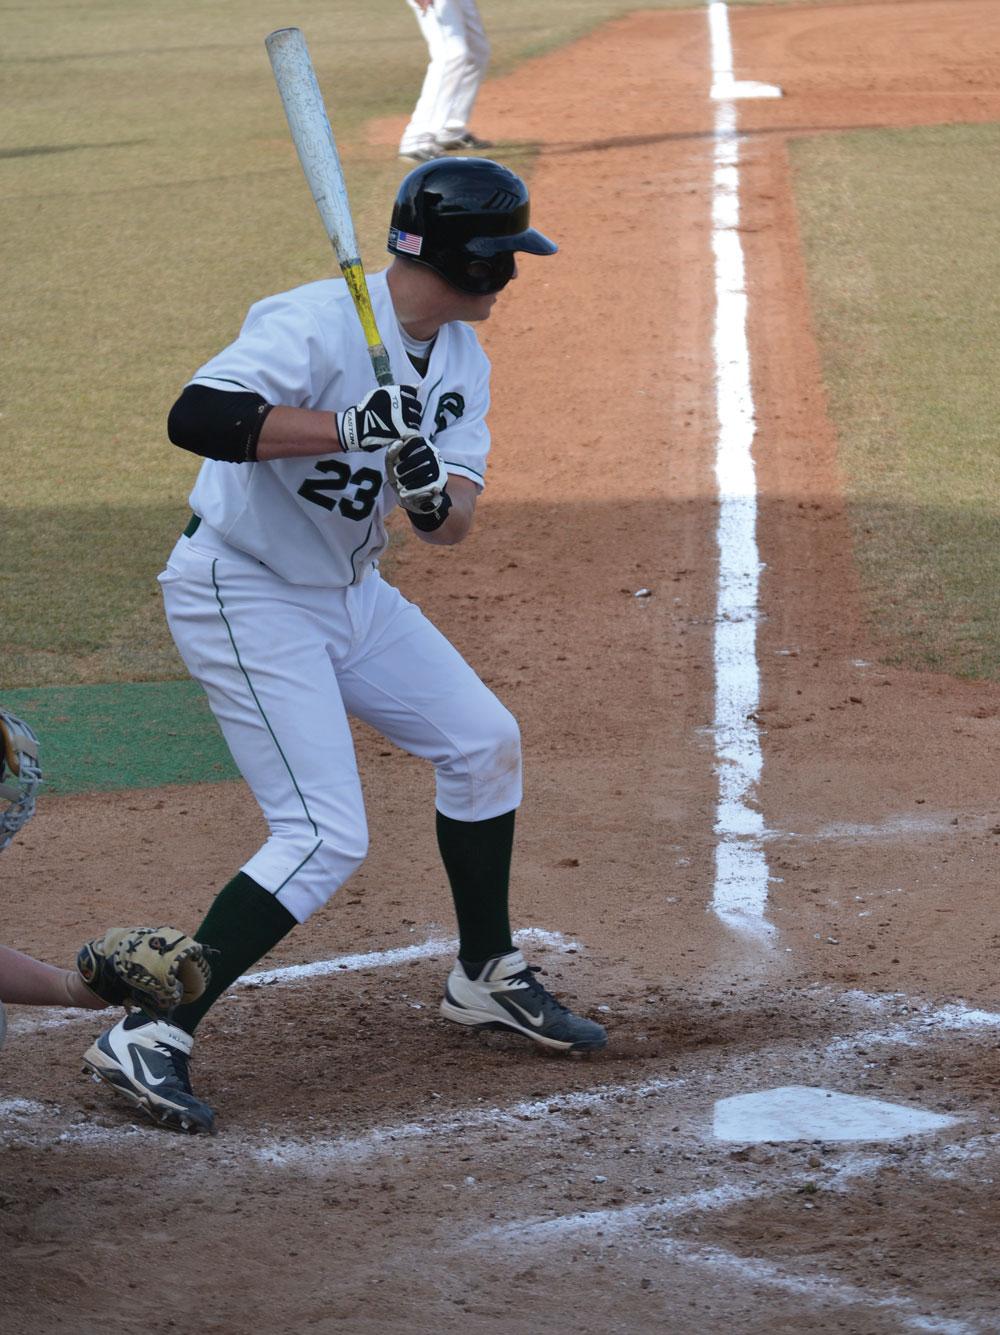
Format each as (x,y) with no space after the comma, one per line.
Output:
(464,218)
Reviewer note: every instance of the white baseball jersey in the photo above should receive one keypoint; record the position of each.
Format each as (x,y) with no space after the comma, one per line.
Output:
(320,520)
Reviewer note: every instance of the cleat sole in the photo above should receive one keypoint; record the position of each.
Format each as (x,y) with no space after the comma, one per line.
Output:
(164,1117)
(552,1045)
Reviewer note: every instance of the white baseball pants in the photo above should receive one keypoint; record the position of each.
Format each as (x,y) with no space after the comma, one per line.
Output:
(459,53)
(284,665)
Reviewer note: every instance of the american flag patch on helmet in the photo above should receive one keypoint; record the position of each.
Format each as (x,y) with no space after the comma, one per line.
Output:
(408,242)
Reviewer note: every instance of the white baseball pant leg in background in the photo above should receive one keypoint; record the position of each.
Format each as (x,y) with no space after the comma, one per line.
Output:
(284,665)
(459,54)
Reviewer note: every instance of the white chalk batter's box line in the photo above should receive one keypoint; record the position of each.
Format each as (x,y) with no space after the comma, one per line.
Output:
(914,1023)
(320,1154)
(647,1221)
(24,1120)
(918,1019)
(30,1122)
(295,973)
(936,1162)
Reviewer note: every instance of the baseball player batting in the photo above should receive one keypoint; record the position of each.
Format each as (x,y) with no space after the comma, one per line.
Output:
(277,605)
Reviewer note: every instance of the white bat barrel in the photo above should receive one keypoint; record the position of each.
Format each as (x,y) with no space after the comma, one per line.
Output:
(313,137)
(317,150)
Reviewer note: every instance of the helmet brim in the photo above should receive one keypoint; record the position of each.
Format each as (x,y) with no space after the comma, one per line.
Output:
(530,241)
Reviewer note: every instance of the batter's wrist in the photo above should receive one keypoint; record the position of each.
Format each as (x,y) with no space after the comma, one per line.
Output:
(428,523)
(336,433)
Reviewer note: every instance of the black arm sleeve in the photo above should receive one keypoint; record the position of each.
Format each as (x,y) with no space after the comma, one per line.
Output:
(218,423)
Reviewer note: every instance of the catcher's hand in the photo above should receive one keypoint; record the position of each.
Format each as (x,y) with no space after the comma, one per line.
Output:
(154,968)
(20,775)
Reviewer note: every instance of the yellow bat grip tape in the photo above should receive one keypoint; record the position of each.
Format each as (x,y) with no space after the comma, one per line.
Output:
(355,276)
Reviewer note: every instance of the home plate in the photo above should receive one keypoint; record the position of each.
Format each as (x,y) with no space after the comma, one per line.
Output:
(799,1112)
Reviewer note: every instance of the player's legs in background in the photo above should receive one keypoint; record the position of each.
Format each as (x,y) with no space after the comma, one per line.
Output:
(443,27)
(421,129)
(464,88)
(264,661)
(411,684)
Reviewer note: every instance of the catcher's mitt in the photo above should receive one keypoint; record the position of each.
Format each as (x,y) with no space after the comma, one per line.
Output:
(20,775)
(154,968)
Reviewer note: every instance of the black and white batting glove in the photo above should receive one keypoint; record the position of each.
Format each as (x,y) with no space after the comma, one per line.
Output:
(417,476)
(382,418)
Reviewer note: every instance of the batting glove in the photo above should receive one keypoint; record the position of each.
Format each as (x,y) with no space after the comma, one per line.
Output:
(384,416)
(417,475)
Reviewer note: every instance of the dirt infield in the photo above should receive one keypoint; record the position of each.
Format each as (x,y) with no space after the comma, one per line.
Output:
(377,1171)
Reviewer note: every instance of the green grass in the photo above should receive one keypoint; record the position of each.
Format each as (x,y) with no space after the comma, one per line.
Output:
(148,193)
(899,229)
(133,735)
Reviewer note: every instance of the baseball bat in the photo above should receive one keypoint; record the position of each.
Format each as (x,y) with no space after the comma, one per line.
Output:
(317,150)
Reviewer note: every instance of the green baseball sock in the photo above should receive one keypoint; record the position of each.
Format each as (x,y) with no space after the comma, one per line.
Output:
(243,924)
(476,855)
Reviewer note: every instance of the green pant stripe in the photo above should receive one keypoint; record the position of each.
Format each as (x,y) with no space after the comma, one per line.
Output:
(316,847)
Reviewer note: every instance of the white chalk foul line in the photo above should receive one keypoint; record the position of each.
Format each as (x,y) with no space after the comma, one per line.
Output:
(741,873)
(376,959)
(725,86)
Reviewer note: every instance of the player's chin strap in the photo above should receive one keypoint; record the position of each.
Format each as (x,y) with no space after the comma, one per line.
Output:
(428,521)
